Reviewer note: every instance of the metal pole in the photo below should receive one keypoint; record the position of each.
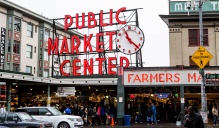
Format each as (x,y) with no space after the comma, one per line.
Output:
(203,95)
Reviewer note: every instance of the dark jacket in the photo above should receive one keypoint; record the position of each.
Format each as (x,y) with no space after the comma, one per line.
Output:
(195,121)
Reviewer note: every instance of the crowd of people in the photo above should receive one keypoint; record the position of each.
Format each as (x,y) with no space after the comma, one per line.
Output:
(92,115)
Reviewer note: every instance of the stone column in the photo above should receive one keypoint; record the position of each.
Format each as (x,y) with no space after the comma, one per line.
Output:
(120,97)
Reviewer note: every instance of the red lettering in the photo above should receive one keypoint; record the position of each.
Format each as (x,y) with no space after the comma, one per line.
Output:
(66,24)
(101,19)
(75,40)
(110,39)
(169,77)
(82,22)
(161,77)
(91,18)
(177,77)
(126,60)
(129,77)
(111,17)
(87,43)
(99,45)
(88,66)
(117,16)
(64,47)
(62,67)
(100,60)
(111,65)
(137,78)
(75,67)
(153,77)
(53,47)
(191,76)
(145,78)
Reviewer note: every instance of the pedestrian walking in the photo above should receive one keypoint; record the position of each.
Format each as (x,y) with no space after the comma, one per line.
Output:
(192,119)
(215,115)
(154,113)
(149,115)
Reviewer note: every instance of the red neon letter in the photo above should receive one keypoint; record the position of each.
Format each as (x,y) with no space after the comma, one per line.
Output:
(100,64)
(61,68)
(110,39)
(91,17)
(89,67)
(126,60)
(75,40)
(129,77)
(99,45)
(111,65)
(87,43)
(75,67)
(101,19)
(111,17)
(66,24)
(117,16)
(64,47)
(77,21)
(53,47)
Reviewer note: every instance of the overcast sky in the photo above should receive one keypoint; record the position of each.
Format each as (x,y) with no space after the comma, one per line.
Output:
(156,47)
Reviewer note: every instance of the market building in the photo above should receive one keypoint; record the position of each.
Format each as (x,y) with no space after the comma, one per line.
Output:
(44,76)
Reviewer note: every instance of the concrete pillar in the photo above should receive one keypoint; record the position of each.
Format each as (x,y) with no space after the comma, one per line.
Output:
(8,96)
(182,99)
(120,97)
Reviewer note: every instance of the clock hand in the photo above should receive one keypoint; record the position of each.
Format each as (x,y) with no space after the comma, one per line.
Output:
(130,40)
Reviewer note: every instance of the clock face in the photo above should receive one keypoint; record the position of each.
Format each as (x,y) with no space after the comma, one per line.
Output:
(130,39)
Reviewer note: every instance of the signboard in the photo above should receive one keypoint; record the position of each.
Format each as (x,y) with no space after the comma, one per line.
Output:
(181,6)
(164,77)
(201,57)
(2,48)
(212,76)
(65,91)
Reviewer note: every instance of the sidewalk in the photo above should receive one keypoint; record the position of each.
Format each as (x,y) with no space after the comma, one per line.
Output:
(161,125)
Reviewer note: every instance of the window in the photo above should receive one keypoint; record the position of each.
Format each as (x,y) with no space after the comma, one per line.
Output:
(9,23)
(46,55)
(29,51)
(43,111)
(28,69)
(9,45)
(16,47)
(194,37)
(40,54)
(16,67)
(29,30)
(46,73)
(46,35)
(17,24)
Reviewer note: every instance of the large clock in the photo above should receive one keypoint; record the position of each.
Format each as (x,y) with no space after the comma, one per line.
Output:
(130,39)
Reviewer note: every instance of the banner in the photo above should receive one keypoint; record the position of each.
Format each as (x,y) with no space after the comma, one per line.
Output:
(2,48)
(65,91)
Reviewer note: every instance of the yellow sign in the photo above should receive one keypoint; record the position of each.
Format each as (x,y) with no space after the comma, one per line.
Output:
(201,57)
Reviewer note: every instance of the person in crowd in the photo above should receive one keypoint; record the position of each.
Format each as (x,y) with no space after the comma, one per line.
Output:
(138,114)
(192,119)
(154,113)
(94,116)
(99,120)
(2,109)
(112,111)
(215,115)
(85,115)
(90,115)
(81,112)
(107,114)
(103,114)
(149,115)
(67,111)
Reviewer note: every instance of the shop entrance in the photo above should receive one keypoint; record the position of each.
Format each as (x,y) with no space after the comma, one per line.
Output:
(166,100)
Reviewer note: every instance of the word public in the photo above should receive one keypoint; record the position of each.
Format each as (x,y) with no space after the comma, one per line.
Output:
(73,48)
